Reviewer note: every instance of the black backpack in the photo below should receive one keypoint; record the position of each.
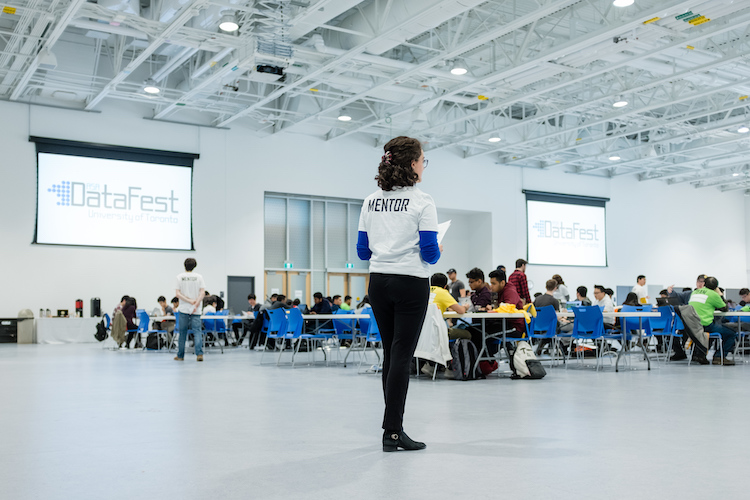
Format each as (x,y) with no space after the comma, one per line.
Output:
(465,355)
(154,341)
(101,331)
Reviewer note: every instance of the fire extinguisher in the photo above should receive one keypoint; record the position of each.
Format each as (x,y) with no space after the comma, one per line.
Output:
(79,308)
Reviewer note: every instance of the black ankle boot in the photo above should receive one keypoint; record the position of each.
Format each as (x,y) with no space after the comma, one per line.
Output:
(393,440)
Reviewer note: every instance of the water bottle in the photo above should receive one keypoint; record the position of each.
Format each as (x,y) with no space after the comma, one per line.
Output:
(41,313)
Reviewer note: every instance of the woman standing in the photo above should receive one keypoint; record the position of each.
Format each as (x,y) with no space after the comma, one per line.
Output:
(398,235)
(561,292)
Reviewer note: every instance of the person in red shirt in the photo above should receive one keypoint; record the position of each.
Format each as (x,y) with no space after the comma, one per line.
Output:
(519,282)
(507,294)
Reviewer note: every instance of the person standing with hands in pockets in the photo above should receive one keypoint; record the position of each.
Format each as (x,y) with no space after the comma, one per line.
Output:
(398,230)
(190,290)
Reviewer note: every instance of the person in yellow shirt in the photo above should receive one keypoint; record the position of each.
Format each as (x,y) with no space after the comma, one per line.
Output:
(440,295)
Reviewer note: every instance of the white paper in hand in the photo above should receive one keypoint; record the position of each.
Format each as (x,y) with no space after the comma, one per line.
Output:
(442,229)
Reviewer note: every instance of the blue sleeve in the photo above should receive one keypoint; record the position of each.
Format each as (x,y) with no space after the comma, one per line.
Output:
(363,246)
(428,246)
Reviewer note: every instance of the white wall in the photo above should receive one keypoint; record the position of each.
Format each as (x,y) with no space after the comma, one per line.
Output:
(236,167)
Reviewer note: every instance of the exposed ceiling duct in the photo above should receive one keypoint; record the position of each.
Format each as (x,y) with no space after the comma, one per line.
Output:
(540,76)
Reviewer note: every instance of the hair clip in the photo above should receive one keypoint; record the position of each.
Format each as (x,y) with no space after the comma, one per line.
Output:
(386,158)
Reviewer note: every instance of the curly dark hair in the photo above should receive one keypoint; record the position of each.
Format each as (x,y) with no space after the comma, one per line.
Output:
(397,171)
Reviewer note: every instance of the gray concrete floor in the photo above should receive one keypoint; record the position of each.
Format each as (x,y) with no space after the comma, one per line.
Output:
(81,422)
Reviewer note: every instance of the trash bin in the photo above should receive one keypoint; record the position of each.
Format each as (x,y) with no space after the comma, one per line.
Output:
(26,333)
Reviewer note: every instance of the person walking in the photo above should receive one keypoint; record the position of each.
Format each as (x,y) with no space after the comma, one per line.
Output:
(190,290)
(398,235)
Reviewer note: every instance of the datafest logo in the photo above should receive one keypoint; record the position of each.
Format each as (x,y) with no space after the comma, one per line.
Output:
(62,192)
(559,230)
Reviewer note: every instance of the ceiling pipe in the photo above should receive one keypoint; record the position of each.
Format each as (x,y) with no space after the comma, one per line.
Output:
(319,44)
(211,62)
(174,63)
(108,28)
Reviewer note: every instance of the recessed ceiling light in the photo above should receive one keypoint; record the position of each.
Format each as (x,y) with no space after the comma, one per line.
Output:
(620,104)
(743,129)
(623,3)
(494,138)
(228,23)
(614,157)
(150,87)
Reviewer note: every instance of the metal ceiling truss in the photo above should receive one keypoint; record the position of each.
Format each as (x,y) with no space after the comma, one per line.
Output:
(542,75)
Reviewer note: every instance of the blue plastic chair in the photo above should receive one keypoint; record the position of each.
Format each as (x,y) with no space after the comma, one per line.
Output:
(588,325)
(372,338)
(546,323)
(630,324)
(344,328)
(663,326)
(276,328)
(143,322)
(294,333)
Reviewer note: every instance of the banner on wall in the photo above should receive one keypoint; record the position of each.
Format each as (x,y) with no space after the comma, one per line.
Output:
(106,202)
(566,230)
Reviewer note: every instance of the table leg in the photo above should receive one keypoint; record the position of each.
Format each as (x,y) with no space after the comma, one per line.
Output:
(623,324)
(640,338)
(484,346)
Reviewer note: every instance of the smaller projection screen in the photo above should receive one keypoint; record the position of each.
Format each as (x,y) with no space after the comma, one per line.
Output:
(566,230)
(91,195)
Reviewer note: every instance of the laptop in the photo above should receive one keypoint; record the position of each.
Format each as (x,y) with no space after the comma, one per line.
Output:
(667,301)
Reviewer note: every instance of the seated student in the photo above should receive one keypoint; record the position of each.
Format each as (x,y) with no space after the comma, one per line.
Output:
(365,302)
(246,325)
(705,301)
(120,306)
(684,295)
(481,296)
(269,301)
(548,298)
(209,304)
(280,302)
(631,299)
(347,304)
(129,312)
(581,292)
(336,303)
(164,310)
(441,297)
(506,294)
(664,294)
(322,306)
(603,300)
(744,298)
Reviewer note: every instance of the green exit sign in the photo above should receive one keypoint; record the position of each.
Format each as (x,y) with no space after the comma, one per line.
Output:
(288,265)
(349,265)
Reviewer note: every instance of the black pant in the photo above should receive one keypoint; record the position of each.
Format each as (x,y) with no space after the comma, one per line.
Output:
(399,304)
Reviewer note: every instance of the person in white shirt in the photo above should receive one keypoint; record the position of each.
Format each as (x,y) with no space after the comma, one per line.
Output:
(190,290)
(398,234)
(603,300)
(562,293)
(640,290)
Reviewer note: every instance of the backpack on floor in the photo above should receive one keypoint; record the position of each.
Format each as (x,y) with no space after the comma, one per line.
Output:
(154,341)
(101,331)
(524,363)
(465,355)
